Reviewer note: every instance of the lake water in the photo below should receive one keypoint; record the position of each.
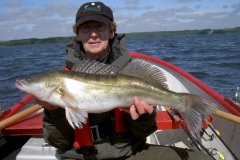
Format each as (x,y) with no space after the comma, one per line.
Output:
(214,59)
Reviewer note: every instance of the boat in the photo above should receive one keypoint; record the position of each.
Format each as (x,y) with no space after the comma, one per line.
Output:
(22,139)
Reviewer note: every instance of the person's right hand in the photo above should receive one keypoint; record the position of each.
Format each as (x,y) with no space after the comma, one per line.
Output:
(46,105)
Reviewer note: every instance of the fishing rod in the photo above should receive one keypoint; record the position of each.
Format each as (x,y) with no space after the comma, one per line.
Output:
(214,131)
(173,113)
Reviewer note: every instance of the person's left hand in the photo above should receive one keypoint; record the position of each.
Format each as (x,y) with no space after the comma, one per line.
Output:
(138,108)
(46,105)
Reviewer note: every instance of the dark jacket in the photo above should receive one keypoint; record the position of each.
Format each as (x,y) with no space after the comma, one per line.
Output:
(60,134)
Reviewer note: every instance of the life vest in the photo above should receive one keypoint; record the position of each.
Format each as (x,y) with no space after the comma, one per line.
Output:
(83,136)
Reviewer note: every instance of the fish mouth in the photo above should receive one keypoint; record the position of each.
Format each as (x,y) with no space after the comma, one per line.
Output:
(21,84)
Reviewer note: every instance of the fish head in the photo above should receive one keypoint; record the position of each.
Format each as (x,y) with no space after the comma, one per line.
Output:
(41,86)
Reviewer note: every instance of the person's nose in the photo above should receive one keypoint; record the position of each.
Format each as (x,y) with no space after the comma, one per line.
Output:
(94,32)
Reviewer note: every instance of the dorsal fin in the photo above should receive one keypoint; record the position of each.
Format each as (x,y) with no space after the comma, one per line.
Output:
(93,67)
(139,68)
(145,70)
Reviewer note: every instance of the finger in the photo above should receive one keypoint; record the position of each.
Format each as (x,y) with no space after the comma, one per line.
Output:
(37,101)
(50,107)
(45,104)
(138,105)
(133,112)
(142,106)
(147,108)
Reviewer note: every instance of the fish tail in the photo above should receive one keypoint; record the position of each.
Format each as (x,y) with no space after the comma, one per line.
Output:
(196,109)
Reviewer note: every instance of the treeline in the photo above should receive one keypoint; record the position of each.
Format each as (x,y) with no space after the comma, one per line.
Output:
(183,32)
(31,41)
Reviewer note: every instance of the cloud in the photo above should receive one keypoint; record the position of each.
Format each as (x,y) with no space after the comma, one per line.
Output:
(55,18)
(187,1)
(181,18)
(236,7)
(51,19)
(11,3)
(135,2)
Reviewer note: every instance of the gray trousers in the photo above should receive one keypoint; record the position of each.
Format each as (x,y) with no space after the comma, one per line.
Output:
(152,152)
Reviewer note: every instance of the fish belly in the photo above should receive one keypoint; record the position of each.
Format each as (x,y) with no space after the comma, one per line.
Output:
(55,99)
(94,98)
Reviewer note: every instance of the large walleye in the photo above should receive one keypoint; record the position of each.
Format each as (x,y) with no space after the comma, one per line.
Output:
(94,87)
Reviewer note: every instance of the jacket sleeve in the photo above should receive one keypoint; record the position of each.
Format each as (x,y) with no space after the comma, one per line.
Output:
(56,129)
(143,126)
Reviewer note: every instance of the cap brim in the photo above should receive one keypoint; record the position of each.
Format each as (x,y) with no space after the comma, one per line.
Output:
(98,18)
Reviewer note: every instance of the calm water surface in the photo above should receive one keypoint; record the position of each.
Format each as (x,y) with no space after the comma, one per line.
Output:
(214,59)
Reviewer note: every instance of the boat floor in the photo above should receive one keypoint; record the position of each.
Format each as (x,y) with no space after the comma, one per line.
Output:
(28,148)
(10,146)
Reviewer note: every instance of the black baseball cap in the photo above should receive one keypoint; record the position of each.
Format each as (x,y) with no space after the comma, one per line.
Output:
(94,11)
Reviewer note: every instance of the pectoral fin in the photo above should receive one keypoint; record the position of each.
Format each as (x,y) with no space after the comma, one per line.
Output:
(74,114)
(76,117)
(68,98)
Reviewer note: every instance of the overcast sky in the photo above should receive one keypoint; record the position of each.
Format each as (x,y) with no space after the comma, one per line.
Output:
(52,18)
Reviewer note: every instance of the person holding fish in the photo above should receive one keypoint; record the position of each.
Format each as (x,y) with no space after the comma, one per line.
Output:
(116,134)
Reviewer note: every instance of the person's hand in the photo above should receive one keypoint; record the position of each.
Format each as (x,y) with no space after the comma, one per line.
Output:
(138,108)
(46,105)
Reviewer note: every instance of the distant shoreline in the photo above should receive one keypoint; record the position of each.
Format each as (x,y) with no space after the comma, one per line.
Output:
(31,41)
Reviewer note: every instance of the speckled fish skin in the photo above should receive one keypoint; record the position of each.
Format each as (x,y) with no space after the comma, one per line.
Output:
(81,93)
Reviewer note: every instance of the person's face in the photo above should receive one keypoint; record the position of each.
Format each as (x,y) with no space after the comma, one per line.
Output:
(95,38)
